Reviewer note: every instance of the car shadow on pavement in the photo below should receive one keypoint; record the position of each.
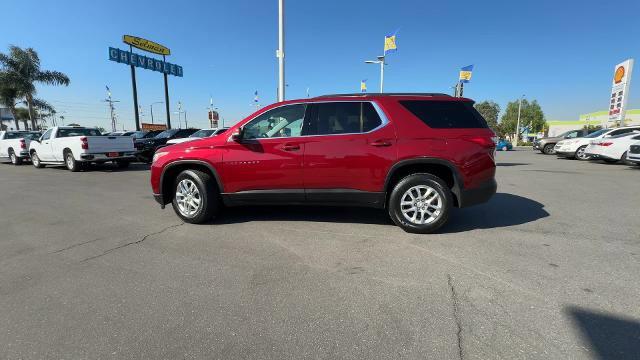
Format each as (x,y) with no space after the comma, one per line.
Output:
(105,168)
(502,210)
(304,213)
(610,336)
(511,164)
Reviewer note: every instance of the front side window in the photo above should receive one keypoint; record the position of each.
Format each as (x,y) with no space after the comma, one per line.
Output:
(573,134)
(284,121)
(335,118)
(47,134)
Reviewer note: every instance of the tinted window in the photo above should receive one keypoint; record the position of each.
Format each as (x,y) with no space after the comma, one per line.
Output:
(446,114)
(77,132)
(597,133)
(202,133)
(342,118)
(221,131)
(166,134)
(284,121)
(47,134)
(15,135)
(573,134)
(185,132)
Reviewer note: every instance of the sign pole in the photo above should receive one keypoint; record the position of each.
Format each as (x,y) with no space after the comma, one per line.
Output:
(135,92)
(166,95)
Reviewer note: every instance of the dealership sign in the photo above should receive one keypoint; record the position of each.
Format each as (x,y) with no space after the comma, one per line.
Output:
(146,45)
(130,58)
(620,90)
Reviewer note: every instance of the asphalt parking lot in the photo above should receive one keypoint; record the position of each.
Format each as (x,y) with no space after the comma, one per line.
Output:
(91,267)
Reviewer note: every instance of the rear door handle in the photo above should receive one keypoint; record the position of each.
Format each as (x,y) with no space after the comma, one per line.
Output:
(290,147)
(381,143)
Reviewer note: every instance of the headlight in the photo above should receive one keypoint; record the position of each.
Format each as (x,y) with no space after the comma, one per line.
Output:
(158,155)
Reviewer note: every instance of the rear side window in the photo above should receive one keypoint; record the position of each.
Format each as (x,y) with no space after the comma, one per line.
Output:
(446,114)
(342,118)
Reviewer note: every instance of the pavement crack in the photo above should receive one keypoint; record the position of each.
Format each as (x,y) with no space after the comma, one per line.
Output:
(139,241)
(456,315)
(75,245)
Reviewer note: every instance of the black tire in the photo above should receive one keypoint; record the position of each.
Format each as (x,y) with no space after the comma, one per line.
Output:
(70,162)
(409,182)
(580,155)
(122,164)
(209,205)
(35,160)
(14,159)
(548,149)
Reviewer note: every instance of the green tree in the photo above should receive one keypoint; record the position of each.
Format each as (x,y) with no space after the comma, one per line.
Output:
(531,117)
(9,98)
(489,111)
(22,114)
(21,70)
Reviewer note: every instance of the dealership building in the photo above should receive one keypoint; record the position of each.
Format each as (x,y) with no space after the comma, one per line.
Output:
(599,118)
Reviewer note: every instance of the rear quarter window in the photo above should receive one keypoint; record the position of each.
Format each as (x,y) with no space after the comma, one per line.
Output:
(446,114)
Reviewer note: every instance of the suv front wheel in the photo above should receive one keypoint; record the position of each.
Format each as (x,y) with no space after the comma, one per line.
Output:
(420,203)
(195,198)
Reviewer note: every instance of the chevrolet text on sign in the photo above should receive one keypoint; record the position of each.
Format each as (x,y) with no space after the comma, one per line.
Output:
(130,58)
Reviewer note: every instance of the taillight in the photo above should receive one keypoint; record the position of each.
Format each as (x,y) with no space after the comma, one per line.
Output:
(23,144)
(483,141)
(605,143)
(85,143)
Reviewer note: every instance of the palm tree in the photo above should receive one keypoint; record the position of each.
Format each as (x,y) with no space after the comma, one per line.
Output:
(23,114)
(9,97)
(21,69)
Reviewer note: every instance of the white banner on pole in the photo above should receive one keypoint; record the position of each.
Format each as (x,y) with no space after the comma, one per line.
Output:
(620,90)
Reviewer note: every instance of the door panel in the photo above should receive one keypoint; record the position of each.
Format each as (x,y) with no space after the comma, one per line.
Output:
(263,164)
(356,162)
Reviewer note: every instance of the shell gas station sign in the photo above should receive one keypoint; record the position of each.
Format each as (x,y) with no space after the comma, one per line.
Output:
(620,91)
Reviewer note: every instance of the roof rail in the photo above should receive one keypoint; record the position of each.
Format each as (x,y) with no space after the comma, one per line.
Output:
(384,94)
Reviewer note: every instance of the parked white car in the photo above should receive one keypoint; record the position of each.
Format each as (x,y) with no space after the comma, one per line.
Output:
(14,145)
(633,153)
(575,148)
(74,146)
(198,135)
(612,149)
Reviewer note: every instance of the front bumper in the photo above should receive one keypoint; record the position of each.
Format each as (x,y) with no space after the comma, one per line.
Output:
(478,195)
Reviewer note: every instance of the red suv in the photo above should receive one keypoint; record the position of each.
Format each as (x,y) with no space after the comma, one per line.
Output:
(416,155)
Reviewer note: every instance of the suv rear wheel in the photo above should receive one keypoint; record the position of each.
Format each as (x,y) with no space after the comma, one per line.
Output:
(195,198)
(420,203)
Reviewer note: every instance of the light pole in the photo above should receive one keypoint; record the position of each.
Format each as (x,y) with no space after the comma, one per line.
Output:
(518,123)
(280,52)
(381,62)
(151,106)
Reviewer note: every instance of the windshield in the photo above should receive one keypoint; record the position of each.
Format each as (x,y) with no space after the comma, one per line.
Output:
(151,134)
(166,134)
(202,133)
(597,133)
(78,132)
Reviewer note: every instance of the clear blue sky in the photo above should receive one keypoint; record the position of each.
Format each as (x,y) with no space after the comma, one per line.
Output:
(561,53)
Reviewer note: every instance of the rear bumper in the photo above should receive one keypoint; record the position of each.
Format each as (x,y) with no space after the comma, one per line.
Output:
(478,195)
(102,157)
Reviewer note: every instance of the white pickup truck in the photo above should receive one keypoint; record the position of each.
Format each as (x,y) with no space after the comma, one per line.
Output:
(14,145)
(75,146)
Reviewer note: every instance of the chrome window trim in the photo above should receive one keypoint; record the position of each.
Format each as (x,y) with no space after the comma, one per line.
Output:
(383,118)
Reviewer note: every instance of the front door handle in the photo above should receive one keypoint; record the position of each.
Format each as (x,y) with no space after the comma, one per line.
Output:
(290,147)
(381,143)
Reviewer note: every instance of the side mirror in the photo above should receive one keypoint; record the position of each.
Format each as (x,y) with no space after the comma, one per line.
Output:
(237,134)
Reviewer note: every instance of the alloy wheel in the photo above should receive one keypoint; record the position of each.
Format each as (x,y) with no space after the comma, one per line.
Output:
(421,205)
(188,198)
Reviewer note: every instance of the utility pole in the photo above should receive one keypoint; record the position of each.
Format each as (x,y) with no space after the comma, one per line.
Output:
(518,123)
(179,112)
(111,109)
(280,52)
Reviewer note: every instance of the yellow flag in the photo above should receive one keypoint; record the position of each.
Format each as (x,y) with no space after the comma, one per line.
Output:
(390,43)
